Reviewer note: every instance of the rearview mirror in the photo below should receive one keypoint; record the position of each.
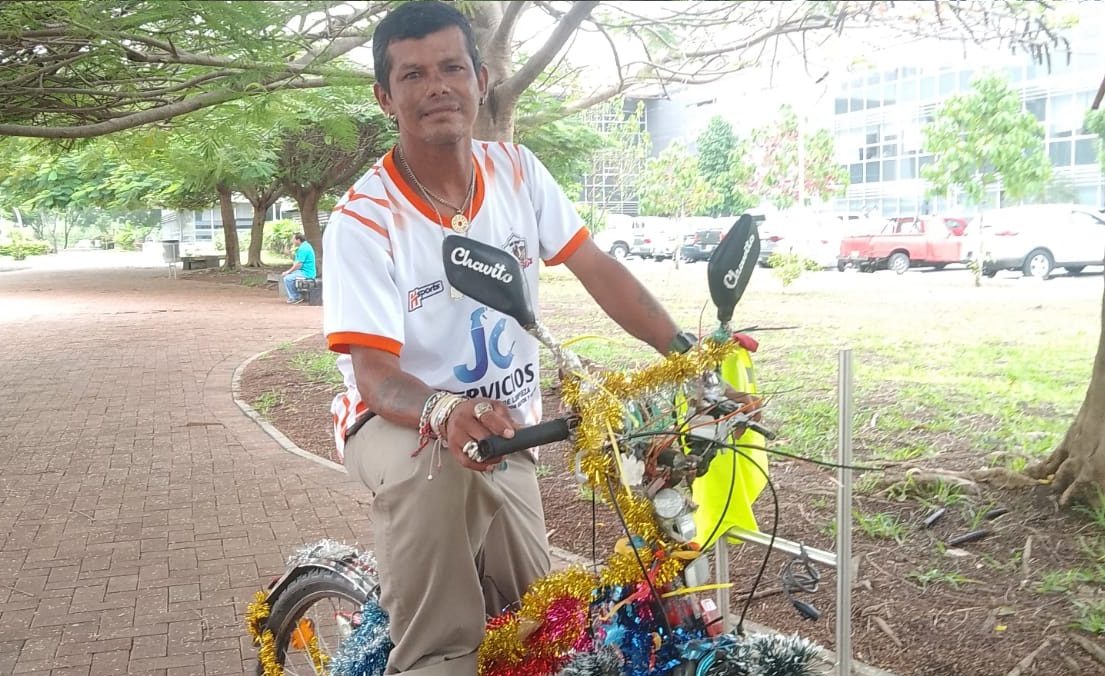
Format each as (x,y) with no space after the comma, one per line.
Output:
(488,275)
(731,266)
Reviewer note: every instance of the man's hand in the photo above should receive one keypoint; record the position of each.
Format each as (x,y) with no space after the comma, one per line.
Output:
(749,402)
(464,426)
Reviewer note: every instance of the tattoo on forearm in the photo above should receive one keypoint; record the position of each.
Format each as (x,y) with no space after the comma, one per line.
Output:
(651,306)
(400,398)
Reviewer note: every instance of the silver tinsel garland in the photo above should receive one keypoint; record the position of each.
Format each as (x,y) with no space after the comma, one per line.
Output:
(323,549)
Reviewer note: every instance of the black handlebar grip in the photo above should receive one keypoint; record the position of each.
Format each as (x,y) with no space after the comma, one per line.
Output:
(525,437)
(766,432)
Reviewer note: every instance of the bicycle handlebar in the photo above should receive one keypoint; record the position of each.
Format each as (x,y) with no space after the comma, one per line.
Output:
(526,437)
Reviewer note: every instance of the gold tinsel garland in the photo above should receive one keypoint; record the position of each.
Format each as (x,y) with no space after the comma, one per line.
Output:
(257,612)
(599,401)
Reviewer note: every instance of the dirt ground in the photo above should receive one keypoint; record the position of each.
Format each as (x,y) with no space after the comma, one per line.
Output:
(920,605)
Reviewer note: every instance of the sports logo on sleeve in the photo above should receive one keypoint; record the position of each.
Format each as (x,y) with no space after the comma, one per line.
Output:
(416,295)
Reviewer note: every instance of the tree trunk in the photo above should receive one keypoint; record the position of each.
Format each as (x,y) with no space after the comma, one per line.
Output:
(495,121)
(230,228)
(1077,466)
(256,237)
(261,200)
(307,199)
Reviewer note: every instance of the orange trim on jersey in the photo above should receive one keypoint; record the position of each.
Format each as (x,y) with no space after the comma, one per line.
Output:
(488,164)
(424,207)
(515,163)
(354,196)
(570,248)
(366,221)
(341,341)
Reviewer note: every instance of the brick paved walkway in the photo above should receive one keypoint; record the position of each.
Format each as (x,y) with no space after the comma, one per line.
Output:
(139,509)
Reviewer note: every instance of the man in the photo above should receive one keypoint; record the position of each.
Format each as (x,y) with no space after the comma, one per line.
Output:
(303,267)
(455,540)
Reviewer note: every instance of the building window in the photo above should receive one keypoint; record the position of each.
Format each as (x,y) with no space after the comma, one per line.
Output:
(965,79)
(890,93)
(889,170)
(928,88)
(909,90)
(856,172)
(1037,107)
(1086,151)
(871,94)
(907,168)
(1062,117)
(1059,151)
(840,106)
(871,175)
(947,83)
(1087,195)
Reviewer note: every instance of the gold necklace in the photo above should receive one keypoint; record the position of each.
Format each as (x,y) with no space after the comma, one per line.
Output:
(459,223)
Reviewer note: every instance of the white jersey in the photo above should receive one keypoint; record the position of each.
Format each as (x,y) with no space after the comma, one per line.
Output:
(385,284)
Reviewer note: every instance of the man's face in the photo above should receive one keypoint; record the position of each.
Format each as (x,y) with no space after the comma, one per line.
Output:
(435,91)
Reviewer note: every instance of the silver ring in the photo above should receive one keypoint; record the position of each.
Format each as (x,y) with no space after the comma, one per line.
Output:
(471,449)
(482,409)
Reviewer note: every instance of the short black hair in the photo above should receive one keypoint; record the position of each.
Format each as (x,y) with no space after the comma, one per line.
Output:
(414,20)
(299,237)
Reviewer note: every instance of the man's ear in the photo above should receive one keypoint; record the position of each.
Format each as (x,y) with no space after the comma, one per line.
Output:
(382,97)
(481,81)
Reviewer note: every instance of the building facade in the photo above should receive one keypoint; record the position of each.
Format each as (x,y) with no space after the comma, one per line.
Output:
(878,117)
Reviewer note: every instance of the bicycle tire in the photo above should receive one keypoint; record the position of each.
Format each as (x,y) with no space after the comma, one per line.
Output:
(298,598)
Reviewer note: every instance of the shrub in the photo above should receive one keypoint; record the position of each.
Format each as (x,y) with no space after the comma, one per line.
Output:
(788,267)
(278,236)
(20,247)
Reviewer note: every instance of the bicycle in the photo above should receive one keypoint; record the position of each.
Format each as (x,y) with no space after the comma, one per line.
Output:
(664,442)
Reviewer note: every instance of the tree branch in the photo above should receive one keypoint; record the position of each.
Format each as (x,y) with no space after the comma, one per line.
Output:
(151,115)
(503,33)
(511,88)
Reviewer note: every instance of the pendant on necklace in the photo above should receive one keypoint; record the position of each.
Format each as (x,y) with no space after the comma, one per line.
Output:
(459,223)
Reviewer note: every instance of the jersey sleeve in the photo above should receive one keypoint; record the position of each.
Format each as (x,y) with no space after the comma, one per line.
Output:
(361,303)
(559,226)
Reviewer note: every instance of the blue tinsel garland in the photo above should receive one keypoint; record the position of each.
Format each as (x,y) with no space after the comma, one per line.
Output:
(365,652)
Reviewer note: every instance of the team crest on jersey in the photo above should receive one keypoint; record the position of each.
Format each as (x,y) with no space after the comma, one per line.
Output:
(517,247)
(418,294)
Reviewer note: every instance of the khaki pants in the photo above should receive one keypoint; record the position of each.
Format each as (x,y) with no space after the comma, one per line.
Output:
(451,550)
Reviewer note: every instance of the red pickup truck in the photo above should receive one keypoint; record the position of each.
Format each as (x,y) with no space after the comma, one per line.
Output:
(928,241)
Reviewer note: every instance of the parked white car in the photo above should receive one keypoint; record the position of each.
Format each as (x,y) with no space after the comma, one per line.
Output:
(1038,238)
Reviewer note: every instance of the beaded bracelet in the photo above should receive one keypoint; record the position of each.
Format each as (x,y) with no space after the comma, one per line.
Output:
(426,431)
(444,408)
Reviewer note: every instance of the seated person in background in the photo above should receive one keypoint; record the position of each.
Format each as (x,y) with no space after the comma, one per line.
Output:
(303,267)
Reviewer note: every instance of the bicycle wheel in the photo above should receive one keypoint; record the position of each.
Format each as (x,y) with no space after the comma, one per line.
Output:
(310,619)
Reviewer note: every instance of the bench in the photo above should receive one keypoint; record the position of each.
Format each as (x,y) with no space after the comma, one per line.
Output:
(311,290)
(201,261)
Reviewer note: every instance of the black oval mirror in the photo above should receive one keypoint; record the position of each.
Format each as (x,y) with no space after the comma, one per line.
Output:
(731,266)
(489,275)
